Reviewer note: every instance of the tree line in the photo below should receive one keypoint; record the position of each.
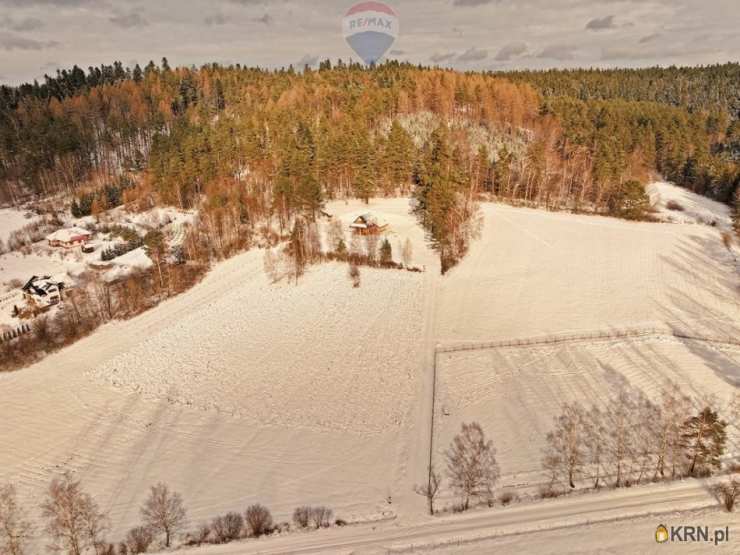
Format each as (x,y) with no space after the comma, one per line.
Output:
(628,441)
(252,147)
(633,439)
(74,524)
(711,88)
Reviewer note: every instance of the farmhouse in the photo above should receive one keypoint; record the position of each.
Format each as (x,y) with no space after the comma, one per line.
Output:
(368,224)
(41,293)
(69,238)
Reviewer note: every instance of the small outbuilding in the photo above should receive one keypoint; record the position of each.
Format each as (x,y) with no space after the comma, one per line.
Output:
(368,224)
(69,238)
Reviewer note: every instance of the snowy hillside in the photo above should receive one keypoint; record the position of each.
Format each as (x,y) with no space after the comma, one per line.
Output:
(241,391)
(678,204)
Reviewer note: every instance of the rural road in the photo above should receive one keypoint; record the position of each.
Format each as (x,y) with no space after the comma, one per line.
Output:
(485,524)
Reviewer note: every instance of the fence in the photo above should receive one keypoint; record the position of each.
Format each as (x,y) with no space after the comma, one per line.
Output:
(16,333)
(591,336)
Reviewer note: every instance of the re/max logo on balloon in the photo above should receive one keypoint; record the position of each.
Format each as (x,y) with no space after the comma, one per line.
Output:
(377,22)
(370,28)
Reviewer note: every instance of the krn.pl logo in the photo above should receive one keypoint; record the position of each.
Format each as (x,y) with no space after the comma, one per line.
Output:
(661,534)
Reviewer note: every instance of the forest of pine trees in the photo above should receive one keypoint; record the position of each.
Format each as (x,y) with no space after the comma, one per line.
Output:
(248,145)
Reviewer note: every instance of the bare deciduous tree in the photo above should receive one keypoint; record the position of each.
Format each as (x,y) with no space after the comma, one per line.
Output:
(565,444)
(139,539)
(302,516)
(371,247)
(673,409)
(355,247)
(354,274)
(227,528)
(407,253)
(313,242)
(471,464)
(431,489)
(74,521)
(620,432)
(258,520)
(336,234)
(321,517)
(595,434)
(271,265)
(164,512)
(15,530)
(728,493)
(646,422)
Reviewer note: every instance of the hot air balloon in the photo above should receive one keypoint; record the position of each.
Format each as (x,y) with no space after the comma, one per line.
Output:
(370,28)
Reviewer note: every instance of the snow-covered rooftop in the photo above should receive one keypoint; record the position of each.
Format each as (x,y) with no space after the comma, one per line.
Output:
(68,234)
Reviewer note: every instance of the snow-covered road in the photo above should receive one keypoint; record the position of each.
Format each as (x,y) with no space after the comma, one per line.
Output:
(485,525)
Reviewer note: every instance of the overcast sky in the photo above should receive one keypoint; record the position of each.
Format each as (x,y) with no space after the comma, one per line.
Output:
(37,36)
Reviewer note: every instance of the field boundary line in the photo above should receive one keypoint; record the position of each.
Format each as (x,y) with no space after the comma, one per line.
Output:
(587,336)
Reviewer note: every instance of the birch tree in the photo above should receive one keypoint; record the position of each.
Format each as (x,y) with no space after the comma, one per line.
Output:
(565,453)
(596,443)
(164,512)
(15,529)
(74,521)
(674,406)
(431,489)
(620,433)
(471,464)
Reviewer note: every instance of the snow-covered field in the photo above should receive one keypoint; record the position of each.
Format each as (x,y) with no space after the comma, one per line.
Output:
(515,392)
(537,273)
(235,392)
(696,209)
(19,267)
(12,220)
(319,355)
(241,391)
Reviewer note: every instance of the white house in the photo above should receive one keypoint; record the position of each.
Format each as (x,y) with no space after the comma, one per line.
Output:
(69,237)
(41,293)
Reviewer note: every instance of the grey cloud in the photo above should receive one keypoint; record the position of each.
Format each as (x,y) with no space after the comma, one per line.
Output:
(658,51)
(128,21)
(473,55)
(649,38)
(473,3)
(601,23)
(11,41)
(216,19)
(58,3)
(444,57)
(559,52)
(511,51)
(308,60)
(265,19)
(397,52)
(26,24)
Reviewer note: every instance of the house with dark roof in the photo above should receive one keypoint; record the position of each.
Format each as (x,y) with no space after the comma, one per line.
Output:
(41,293)
(368,224)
